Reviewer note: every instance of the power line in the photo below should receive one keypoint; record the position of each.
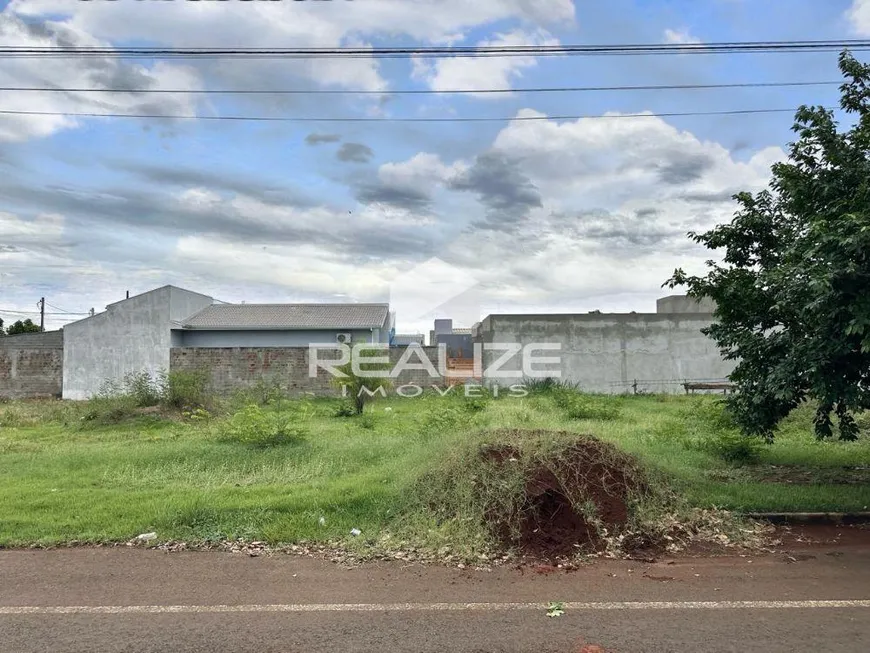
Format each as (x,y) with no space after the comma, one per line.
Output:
(35,313)
(441,51)
(553,89)
(673,114)
(62,311)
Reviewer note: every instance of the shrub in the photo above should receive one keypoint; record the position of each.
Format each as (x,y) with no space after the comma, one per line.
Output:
(345,409)
(264,392)
(734,447)
(142,388)
(261,428)
(182,389)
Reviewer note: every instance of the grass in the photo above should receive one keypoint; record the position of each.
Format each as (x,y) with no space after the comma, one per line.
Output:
(64,477)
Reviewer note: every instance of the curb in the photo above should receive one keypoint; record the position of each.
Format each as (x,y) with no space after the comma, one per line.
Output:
(812,518)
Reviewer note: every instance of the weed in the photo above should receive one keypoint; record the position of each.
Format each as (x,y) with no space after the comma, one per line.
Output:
(260,428)
(182,388)
(368,421)
(263,393)
(735,448)
(345,409)
(577,406)
(548,385)
(442,417)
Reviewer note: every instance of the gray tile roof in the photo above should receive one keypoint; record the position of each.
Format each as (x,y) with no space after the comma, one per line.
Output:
(289,316)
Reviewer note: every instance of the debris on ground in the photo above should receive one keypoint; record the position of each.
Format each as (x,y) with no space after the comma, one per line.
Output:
(143,538)
(555,609)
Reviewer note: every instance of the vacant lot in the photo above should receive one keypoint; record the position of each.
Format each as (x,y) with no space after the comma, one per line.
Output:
(90,472)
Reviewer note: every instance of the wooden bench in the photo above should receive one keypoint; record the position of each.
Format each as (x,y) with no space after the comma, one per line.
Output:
(725,387)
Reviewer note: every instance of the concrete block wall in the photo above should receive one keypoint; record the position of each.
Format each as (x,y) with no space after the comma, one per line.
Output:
(236,368)
(31,365)
(608,353)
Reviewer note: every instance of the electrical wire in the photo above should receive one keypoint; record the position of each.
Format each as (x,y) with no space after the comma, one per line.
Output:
(673,114)
(35,313)
(553,89)
(442,51)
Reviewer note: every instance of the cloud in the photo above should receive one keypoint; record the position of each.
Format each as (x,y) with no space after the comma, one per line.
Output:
(685,170)
(317,139)
(481,73)
(354,153)
(408,185)
(681,36)
(859,17)
(410,199)
(302,24)
(96,73)
(223,180)
(502,187)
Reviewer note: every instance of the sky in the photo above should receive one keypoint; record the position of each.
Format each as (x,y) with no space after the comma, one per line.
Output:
(551,215)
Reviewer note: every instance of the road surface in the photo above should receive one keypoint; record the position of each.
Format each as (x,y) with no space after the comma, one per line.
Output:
(121,599)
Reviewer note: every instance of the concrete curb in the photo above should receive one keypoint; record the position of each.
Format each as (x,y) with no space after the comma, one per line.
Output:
(812,518)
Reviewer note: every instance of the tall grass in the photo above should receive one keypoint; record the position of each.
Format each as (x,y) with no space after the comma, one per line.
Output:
(168,473)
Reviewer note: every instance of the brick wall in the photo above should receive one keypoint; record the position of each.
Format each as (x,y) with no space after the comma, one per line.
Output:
(31,365)
(237,368)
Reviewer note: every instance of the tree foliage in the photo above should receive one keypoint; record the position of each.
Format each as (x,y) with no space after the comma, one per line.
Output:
(793,284)
(27,326)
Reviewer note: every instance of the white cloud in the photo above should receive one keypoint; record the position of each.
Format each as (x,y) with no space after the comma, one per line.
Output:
(273,23)
(423,171)
(859,17)
(87,73)
(463,73)
(300,24)
(680,36)
(300,269)
(14,230)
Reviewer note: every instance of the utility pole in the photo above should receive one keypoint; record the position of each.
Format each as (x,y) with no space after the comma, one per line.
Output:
(42,314)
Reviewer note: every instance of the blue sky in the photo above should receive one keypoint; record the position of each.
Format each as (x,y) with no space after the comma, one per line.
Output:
(550,215)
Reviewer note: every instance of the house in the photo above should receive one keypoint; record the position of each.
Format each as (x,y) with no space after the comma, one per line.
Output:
(137,334)
(283,325)
(407,339)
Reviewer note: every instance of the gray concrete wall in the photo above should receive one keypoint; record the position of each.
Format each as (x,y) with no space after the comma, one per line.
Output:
(31,365)
(607,353)
(132,335)
(230,338)
(233,369)
(684,304)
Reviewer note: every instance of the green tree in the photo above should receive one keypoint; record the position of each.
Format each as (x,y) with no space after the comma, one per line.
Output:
(27,326)
(2,332)
(360,388)
(793,284)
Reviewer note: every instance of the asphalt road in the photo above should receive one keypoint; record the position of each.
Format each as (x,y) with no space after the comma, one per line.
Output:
(134,600)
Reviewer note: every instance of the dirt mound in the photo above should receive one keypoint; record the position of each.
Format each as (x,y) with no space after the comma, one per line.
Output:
(570,494)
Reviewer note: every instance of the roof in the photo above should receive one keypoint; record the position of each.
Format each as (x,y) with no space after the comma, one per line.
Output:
(289,316)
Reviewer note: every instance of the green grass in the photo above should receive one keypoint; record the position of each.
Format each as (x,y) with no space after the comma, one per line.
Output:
(65,478)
